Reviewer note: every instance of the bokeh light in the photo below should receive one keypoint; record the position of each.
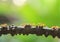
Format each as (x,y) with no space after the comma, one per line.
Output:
(19,2)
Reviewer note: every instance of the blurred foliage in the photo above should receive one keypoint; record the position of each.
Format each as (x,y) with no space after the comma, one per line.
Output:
(33,11)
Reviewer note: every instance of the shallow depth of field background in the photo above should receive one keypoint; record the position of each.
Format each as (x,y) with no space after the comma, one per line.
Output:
(31,11)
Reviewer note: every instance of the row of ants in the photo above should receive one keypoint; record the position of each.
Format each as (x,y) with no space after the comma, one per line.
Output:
(27,29)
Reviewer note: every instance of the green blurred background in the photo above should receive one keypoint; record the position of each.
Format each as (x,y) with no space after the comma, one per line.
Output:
(31,11)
